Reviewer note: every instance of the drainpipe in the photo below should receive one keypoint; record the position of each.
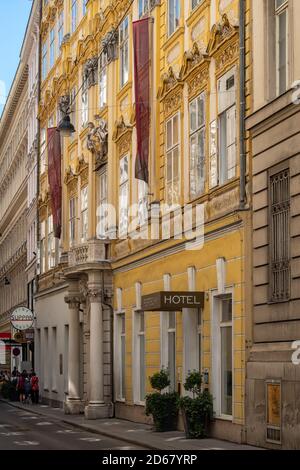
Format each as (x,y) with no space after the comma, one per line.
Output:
(242,105)
(111,309)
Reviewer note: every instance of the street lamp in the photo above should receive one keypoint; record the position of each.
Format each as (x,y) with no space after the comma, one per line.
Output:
(65,126)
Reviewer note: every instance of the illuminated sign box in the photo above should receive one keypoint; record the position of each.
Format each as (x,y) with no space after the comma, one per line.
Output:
(165,301)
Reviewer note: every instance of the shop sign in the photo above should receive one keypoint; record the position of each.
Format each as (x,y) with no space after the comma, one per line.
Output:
(172,301)
(29,335)
(22,318)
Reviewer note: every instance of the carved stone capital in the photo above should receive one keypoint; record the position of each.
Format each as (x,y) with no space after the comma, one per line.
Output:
(95,294)
(73,301)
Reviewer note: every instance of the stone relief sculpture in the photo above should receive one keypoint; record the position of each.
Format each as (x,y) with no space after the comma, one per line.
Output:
(97,142)
(110,43)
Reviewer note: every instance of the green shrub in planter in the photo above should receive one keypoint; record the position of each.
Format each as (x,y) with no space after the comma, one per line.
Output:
(162,406)
(197,411)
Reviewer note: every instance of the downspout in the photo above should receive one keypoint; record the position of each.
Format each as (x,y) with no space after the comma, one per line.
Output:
(111,309)
(242,36)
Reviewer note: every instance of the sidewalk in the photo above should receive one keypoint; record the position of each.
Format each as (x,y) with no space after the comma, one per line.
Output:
(133,433)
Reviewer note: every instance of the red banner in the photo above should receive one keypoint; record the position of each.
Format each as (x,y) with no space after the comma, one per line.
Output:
(142,93)
(54,177)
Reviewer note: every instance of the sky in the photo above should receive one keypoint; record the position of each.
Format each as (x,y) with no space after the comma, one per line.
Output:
(13,21)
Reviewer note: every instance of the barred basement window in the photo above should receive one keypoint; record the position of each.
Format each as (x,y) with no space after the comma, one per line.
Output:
(279,186)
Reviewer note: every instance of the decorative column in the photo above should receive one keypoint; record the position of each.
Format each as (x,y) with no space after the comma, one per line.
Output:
(96,407)
(73,403)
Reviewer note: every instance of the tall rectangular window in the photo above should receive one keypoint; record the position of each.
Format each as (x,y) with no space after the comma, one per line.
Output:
(103,80)
(124,51)
(199,331)
(142,202)
(52,47)
(72,220)
(226,355)
(60,28)
(42,247)
(54,359)
(173,15)
(73,15)
(281,14)
(84,102)
(195,3)
(140,355)
(43,151)
(123,195)
(227,123)
(197,146)
(143,7)
(73,114)
(84,213)
(172,349)
(84,2)
(121,355)
(51,243)
(279,189)
(44,59)
(102,226)
(173,161)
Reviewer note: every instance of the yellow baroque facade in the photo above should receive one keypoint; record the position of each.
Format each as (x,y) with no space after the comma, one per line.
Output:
(194,160)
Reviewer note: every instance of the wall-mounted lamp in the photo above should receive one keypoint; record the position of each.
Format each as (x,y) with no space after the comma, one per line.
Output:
(65,126)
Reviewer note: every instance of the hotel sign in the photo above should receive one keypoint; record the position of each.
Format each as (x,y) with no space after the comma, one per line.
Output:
(165,301)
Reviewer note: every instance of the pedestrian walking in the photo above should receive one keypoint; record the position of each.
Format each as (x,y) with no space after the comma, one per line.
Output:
(21,386)
(27,389)
(34,381)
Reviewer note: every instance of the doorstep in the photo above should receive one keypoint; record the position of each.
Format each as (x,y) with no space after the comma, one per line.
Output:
(132,433)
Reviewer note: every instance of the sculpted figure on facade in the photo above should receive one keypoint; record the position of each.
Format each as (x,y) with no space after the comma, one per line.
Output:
(97,142)
(110,44)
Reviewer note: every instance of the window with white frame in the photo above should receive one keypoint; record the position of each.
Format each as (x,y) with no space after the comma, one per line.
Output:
(173,15)
(84,101)
(123,195)
(43,151)
(281,17)
(121,352)
(43,247)
(227,123)
(173,161)
(197,146)
(103,80)
(141,356)
(195,3)
(102,226)
(72,220)
(73,15)
(143,7)
(172,349)
(44,59)
(199,331)
(142,202)
(213,155)
(222,361)
(52,47)
(51,243)
(124,51)
(60,28)
(226,355)
(84,2)
(84,213)
(73,114)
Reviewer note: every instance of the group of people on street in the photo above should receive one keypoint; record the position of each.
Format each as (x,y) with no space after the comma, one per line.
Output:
(27,384)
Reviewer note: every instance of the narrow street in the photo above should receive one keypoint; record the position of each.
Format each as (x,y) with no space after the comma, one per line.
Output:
(22,430)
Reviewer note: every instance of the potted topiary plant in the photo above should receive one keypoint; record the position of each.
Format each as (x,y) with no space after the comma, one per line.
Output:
(197,411)
(162,406)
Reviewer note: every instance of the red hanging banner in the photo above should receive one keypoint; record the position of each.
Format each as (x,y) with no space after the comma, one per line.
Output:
(142,93)
(54,177)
